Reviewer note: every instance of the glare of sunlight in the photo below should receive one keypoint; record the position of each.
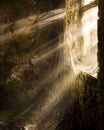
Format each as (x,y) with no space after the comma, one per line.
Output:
(87,1)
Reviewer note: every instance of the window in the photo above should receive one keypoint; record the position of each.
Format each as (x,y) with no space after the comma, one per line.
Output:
(87,2)
(82,33)
(89,31)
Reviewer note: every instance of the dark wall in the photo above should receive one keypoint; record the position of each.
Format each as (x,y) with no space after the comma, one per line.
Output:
(100,118)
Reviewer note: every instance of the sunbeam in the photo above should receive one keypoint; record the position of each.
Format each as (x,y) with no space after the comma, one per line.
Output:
(28,25)
(46,61)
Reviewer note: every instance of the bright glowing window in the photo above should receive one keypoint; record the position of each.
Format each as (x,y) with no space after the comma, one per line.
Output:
(88,2)
(89,30)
